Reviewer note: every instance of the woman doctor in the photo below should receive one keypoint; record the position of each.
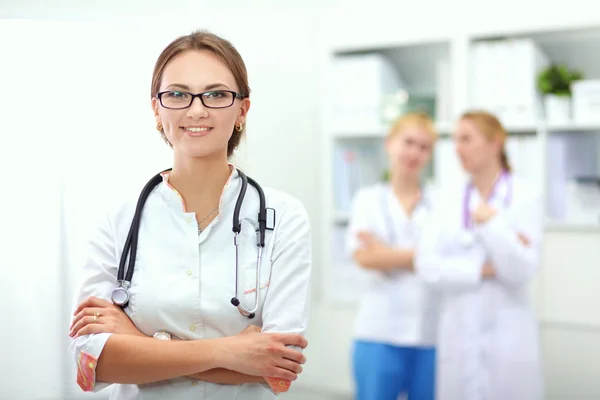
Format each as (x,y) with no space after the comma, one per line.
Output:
(481,250)
(180,337)
(395,328)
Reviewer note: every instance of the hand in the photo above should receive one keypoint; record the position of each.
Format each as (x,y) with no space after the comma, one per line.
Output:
(264,354)
(278,385)
(250,329)
(111,319)
(523,239)
(488,271)
(483,213)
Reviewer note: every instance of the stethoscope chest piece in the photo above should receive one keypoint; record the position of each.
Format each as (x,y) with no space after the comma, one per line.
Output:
(120,295)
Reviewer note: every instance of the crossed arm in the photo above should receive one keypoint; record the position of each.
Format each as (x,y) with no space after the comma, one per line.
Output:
(129,356)
(507,255)
(112,350)
(376,255)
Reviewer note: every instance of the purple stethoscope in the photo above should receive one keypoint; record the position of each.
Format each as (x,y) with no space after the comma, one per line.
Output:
(468,238)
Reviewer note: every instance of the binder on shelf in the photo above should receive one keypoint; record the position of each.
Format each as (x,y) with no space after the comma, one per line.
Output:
(359,88)
(525,158)
(572,161)
(504,79)
(356,164)
(586,101)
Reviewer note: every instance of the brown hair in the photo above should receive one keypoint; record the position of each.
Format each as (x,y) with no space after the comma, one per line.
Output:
(489,125)
(413,119)
(203,40)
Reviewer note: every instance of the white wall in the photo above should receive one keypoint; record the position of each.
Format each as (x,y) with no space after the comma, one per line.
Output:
(29,220)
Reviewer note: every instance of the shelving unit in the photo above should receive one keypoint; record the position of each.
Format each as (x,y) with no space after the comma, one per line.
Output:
(574,128)
(570,149)
(445,71)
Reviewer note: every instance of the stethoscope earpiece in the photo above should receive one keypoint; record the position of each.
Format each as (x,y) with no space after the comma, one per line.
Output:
(236,302)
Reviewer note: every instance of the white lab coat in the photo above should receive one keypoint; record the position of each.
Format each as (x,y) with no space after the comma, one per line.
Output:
(183,282)
(397,308)
(488,338)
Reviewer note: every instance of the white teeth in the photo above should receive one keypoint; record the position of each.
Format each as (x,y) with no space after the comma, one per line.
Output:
(204,129)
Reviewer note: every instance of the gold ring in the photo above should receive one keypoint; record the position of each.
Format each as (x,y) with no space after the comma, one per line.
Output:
(96,317)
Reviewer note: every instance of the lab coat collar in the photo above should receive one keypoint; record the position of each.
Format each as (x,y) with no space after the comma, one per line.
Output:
(501,196)
(398,213)
(174,200)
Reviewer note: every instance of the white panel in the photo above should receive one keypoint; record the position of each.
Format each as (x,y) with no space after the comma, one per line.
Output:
(30,363)
(571,362)
(330,345)
(571,274)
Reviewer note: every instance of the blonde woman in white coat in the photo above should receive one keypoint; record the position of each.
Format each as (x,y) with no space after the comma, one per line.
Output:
(481,251)
(394,349)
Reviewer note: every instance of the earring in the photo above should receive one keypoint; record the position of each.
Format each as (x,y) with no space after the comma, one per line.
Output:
(159,127)
(240,127)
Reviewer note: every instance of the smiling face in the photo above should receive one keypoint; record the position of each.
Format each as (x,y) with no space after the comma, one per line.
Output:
(409,150)
(199,131)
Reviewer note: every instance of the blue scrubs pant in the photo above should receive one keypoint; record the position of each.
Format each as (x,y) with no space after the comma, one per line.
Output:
(383,372)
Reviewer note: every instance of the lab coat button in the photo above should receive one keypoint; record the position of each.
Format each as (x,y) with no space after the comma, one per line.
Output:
(189,272)
(192,328)
(194,383)
(188,219)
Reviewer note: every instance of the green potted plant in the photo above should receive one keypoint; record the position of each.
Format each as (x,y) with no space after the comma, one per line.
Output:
(385,175)
(554,82)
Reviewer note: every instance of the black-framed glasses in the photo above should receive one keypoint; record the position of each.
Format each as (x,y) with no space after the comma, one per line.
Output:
(177,100)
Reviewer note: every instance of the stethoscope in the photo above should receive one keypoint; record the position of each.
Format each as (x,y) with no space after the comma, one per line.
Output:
(467,237)
(121,296)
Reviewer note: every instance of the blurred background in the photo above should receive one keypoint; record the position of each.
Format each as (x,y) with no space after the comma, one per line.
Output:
(326,77)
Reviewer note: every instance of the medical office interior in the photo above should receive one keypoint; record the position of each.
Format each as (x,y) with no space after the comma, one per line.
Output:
(327,77)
